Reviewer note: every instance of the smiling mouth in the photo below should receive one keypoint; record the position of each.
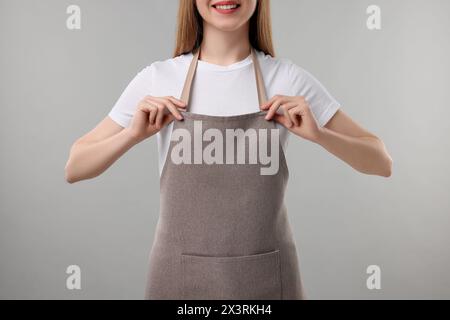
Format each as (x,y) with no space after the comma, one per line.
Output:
(226,7)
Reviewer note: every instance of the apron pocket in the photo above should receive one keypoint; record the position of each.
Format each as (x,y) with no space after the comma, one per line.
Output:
(254,276)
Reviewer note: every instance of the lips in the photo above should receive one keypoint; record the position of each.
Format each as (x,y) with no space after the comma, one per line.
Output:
(226,7)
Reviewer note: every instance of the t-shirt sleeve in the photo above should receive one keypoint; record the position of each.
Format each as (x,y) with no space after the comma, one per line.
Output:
(125,107)
(322,104)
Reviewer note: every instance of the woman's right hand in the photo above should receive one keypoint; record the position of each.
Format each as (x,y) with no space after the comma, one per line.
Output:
(154,113)
(98,149)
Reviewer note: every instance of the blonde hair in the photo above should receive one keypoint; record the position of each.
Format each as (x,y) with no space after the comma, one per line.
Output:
(190,28)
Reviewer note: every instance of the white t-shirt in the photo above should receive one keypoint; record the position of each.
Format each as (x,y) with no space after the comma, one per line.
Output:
(222,90)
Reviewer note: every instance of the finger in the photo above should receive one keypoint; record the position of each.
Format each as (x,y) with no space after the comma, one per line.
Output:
(159,116)
(148,117)
(295,113)
(287,116)
(144,107)
(288,109)
(173,109)
(167,119)
(273,109)
(267,104)
(166,102)
(152,115)
(178,102)
(149,99)
(281,118)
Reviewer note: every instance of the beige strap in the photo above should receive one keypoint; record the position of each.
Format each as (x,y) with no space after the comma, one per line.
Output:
(189,77)
(262,96)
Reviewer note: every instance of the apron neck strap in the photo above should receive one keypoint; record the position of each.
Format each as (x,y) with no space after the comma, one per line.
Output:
(262,96)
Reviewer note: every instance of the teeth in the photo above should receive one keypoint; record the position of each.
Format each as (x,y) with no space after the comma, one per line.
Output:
(227,7)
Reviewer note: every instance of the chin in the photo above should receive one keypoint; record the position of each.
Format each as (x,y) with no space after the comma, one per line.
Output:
(226,26)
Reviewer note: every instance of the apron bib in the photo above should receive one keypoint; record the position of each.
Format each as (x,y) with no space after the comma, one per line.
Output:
(223,230)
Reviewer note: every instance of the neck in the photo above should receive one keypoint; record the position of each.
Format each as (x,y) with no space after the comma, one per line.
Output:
(224,48)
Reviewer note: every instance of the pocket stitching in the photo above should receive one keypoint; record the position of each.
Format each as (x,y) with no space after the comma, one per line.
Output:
(183,275)
(236,259)
(280,278)
(226,259)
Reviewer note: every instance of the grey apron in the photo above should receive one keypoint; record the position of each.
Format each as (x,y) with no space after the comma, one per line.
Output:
(223,230)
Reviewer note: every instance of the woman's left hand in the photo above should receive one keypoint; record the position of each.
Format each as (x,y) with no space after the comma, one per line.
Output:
(297,117)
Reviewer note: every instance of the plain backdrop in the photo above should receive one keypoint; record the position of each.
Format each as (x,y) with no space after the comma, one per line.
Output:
(56,84)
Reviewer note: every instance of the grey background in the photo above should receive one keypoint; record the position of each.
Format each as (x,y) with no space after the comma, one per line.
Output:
(56,84)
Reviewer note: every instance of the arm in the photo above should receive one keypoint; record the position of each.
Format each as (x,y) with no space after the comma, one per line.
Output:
(340,135)
(97,150)
(356,146)
(309,101)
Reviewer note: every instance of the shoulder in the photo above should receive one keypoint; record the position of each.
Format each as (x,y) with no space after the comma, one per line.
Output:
(162,75)
(281,66)
(169,65)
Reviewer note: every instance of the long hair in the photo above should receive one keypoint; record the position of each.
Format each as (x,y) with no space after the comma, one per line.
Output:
(190,28)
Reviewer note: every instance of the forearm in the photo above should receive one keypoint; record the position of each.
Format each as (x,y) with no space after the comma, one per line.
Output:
(89,159)
(365,154)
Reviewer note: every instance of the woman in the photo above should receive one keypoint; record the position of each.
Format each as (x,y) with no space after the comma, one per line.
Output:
(223,231)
